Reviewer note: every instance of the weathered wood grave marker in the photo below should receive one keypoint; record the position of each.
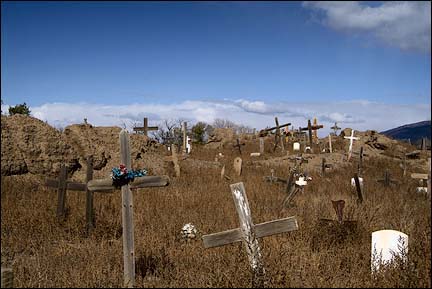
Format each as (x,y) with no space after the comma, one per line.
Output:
(315,131)
(311,128)
(238,145)
(174,158)
(238,166)
(325,166)
(249,233)
(293,187)
(62,185)
(127,205)
(261,143)
(278,135)
(387,181)
(145,128)
(386,244)
(335,128)
(351,138)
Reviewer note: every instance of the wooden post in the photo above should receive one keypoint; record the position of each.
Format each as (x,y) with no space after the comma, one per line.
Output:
(62,192)
(423,144)
(248,233)
(323,166)
(127,216)
(89,196)
(330,143)
(429,179)
(360,165)
(278,136)
(261,140)
(175,160)
(7,278)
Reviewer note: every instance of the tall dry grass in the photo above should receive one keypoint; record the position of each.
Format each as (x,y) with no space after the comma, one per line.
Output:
(45,252)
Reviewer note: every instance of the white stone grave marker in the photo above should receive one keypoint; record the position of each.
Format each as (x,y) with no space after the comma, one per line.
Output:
(385,245)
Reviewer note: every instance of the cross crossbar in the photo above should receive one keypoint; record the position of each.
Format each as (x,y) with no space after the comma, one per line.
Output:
(145,128)
(103,185)
(261,230)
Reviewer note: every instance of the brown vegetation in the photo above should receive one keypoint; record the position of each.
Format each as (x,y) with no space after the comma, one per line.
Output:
(45,252)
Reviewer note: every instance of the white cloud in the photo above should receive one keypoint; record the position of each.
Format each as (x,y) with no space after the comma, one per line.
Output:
(405,24)
(357,114)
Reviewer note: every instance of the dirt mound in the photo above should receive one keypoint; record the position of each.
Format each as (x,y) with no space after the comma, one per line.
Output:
(29,145)
(103,144)
(220,138)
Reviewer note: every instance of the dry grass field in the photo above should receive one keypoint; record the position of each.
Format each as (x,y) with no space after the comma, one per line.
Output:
(45,252)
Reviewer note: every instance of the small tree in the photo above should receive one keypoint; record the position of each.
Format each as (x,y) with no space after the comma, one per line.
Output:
(198,131)
(19,109)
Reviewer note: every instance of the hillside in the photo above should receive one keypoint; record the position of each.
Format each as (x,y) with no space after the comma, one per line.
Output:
(414,131)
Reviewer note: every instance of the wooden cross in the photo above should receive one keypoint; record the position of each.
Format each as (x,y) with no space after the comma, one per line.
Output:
(278,136)
(324,166)
(62,185)
(351,138)
(249,233)
(238,146)
(335,128)
(386,180)
(127,205)
(315,132)
(360,164)
(311,128)
(145,128)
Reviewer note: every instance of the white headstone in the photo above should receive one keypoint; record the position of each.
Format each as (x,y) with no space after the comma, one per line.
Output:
(296,146)
(385,245)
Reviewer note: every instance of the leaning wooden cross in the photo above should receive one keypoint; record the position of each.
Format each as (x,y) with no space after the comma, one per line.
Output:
(238,145)
(278,136)
(127,205)
(145,128)
(249,233)
(62,185)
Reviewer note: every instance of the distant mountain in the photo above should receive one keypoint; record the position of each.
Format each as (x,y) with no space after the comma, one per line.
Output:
(414,131)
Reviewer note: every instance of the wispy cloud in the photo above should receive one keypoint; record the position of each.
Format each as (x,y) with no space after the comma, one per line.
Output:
(357,114)
(405,24)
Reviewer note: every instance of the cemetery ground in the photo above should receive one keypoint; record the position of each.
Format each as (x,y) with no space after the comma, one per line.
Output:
(46,252)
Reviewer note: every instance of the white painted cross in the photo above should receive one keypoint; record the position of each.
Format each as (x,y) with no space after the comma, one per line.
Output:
(386,244)
(188,145)
(351,138)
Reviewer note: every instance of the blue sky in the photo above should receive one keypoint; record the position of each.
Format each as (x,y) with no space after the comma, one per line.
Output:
(116,62)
